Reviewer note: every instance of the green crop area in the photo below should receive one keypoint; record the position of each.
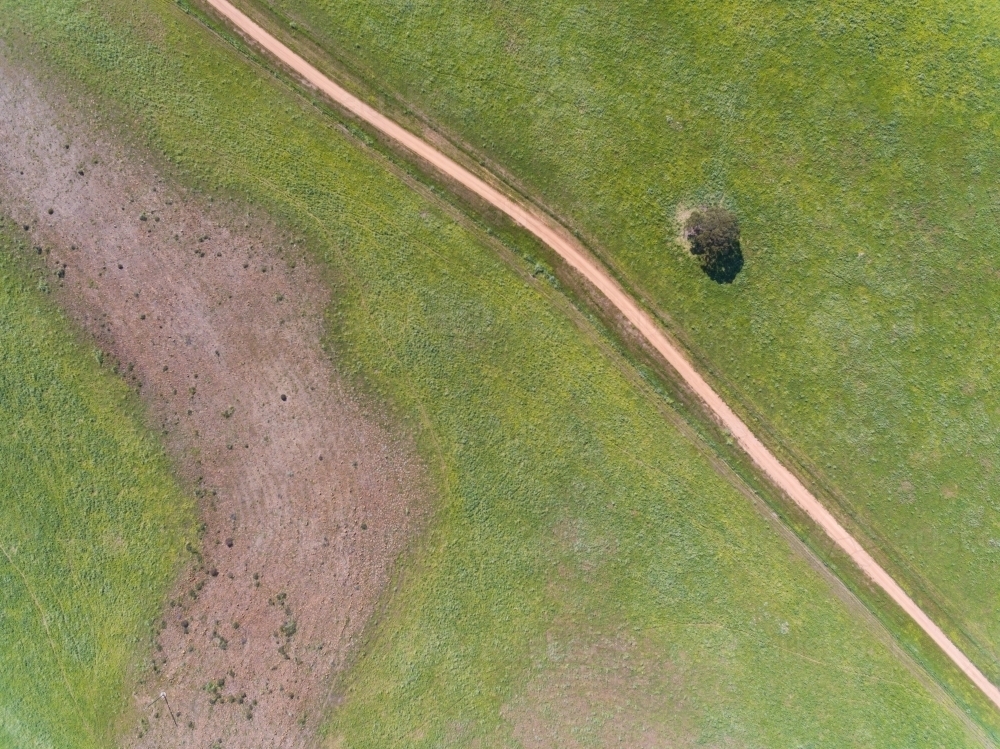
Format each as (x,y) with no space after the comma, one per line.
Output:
(588,576)
(92,529)
(858,144)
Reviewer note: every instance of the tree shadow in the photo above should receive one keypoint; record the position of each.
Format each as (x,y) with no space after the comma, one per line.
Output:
(725,267)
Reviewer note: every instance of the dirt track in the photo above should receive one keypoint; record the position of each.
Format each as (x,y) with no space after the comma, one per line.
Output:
(576,256)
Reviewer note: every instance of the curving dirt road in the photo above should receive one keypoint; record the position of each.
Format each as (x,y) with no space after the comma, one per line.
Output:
(576,256)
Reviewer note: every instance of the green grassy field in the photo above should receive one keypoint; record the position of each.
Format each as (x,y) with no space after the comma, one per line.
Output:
(92,530)
(858,143)
(587,572)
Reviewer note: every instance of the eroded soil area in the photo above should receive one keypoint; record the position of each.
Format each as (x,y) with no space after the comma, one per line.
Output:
(217,319)
(591,688)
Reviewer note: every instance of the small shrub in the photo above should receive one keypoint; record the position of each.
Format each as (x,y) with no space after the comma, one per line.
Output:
(714,234)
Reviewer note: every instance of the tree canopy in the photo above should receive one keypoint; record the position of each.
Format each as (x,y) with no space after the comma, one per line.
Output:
(714,235)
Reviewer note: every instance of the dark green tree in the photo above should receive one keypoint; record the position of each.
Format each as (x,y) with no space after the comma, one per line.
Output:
(714,234)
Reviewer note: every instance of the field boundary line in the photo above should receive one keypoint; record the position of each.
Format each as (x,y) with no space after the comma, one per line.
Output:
(573,253)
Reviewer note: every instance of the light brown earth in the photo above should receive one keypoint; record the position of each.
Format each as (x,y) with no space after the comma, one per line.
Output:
(306,499)
(592,688)
(577,257)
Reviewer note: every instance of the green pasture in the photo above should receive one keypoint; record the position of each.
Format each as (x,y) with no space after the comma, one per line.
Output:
(857,141)
(92,528)
(581,544)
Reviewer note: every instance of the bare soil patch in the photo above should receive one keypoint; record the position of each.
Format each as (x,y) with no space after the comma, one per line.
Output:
(599,689)
(306,498)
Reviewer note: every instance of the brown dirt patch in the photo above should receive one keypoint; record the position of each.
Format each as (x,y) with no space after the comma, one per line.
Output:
(598,689)
(306,498)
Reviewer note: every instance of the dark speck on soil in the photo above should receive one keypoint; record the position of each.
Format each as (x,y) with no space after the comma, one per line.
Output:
(229,542)
(284,397)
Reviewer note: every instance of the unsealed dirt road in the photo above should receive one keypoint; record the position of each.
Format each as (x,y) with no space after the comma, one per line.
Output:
(577,257)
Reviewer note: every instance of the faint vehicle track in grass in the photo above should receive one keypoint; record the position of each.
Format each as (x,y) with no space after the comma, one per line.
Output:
(48,635)
(573,253)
